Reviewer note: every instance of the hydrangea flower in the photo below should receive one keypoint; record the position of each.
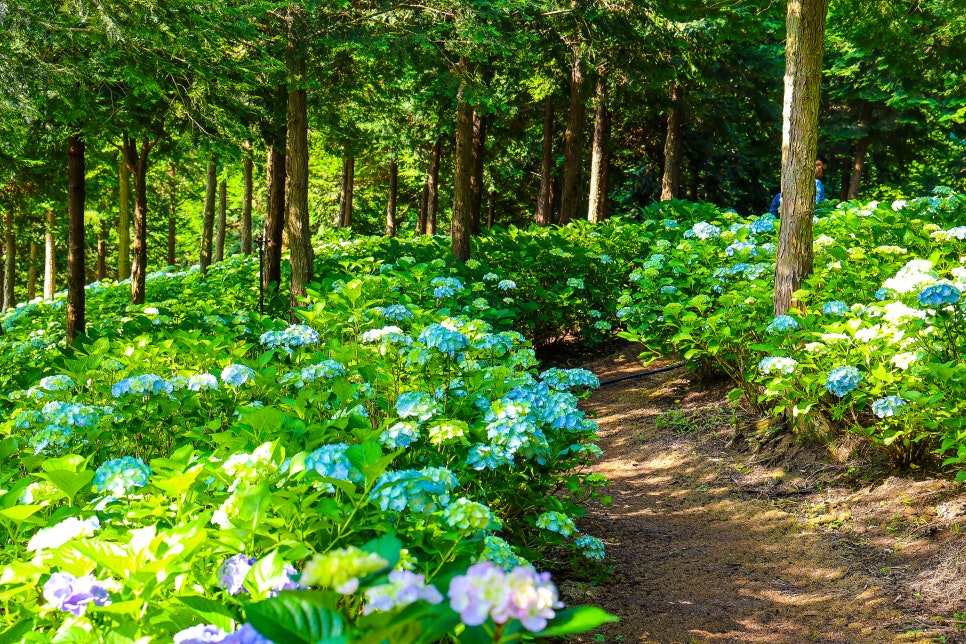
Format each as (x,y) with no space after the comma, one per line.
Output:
(57,383)
(506,285)
(72,594)
(591,547)
(468,516)
(421,491)
(670,224)
(491,277)
(331,462)
(576,283)
(341,569)
(569,379)
(835,307)
(251,469)
(888,406)
(202,381)
(882,294)
(842,380)
(939,295)
(67,530)
(499,552)
(403,588)
(236,375)
(781,324)
(144,385)
(557,522)
(741,247)
(400,435)
(669,290)
(297,335)
(486,590)
(763,224)
(605,259)
(200,634)
(779,364)
(916,273)
(447,341)
(117,476)
(416,404)
(445,286)
(232,573)
(396,313)
(704,230)
(388,334)
(490,457)
(326,369)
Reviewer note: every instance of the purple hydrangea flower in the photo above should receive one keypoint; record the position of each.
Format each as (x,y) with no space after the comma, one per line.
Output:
(231,575)
(200,634)
(72,594)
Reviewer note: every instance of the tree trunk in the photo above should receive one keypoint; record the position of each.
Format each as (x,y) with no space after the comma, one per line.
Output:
(124,222)
(803,83)
(137,161)
(50,255)
(600,157)
(246,214)
(208,221)
(461,226)
(275,212)
(423,208)
(490,209)
(546,166)
(393,195)
(297,162)
(432,183)
(346,188)
(101,251)
(846,178)
(172,233)
(10,261)
(32,275)
(672,145)
(222,221)
(861,148)
(573,146)
(476,178)
(76,271)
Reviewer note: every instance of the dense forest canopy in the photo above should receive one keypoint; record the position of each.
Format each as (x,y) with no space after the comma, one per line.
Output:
(577,109)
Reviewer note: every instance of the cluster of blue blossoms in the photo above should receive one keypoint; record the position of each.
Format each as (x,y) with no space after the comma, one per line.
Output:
(842,380)
(888,406)
(422,491)
(117,476)
(837,308)
(939,295)
(781,324)
(295,336)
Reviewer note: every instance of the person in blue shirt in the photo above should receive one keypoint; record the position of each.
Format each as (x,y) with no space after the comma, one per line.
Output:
(820,164)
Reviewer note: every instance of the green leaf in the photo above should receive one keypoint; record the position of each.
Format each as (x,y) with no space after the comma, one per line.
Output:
(576,620)
(295,616)
(16,632)
(209,610)
(387,547)
(21,513)
(68,481)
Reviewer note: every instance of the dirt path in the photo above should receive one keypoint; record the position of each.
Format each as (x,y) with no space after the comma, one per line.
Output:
(715,544)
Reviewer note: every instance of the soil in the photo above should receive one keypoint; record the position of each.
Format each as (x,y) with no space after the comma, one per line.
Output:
(722,535)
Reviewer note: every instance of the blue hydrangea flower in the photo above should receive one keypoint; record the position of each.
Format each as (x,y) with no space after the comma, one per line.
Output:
(591,547)
(939,295)
(605,259)
(232,573)
(445,286)
(670,224)
(416,404)
(568,379)
(57,383)
(117,476)
(576,283)
(145,384)
(202,381)
(499,552)
(888,406)
(781,324)
(422,491)
(763,224)
(331,462)
(488,457)
(297,335)
(704,230)
(436,336)
(506,285)
(326,369)
(842,380)
(741,247)
(835,307)
(669,290)
(882,294)
(236,375)
(400,435)
(780,364)
(396,313)
(491,277)
(557,522)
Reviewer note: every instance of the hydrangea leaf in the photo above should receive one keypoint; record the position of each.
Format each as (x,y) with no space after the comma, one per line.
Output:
(576,620)
(303,617)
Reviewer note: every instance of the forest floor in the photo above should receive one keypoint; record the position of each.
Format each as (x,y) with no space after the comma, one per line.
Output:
(717,538)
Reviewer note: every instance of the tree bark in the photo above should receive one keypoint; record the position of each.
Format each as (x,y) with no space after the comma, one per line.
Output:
(672,145)
(846,178)
(573,145)
(32,275)
(480,124)
(393,196)
(432,184)
(346,188)
(423,208)
(50,255)
(546,166)
(246,214)
(101,251)
(861,148)
(461,226)
(803,83)
(490,209)
(275,212)
(137,160)
(76,271)
(208,221)
(124,222)
(222,221)
(600,157)
(297,162)
(10,261)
